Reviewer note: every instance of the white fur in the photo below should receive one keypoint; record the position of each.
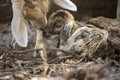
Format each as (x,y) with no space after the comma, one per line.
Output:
(19,25)
(67,4)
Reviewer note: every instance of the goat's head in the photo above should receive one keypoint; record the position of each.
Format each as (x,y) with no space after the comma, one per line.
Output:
(61,25)
(57,21)
(36,10)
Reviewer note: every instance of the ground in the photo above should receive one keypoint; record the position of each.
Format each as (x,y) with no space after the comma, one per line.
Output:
(19,64)
(15,65)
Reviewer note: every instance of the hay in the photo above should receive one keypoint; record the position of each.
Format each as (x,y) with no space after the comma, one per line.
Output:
(86,41)
(113,28)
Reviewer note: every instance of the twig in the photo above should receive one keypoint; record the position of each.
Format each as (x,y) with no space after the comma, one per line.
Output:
(59,58)
(54,49)
(2,50)
(32,50)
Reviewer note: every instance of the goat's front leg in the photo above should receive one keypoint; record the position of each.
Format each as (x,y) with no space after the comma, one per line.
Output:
(41,44)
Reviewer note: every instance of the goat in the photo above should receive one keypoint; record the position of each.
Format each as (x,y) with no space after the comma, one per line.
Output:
(74,36)
(35,12)
(61,24)
(59,20)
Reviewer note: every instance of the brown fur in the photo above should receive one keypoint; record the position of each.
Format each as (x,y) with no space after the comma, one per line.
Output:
(35,11)
(58,20)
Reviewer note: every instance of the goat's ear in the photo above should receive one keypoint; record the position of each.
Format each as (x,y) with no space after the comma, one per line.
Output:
(67,4)
(65,32)
(19,27)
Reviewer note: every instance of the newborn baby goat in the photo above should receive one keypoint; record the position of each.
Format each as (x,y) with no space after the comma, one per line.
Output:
(60,23)
(84,39)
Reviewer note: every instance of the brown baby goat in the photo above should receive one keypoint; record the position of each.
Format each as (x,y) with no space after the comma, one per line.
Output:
(84,39)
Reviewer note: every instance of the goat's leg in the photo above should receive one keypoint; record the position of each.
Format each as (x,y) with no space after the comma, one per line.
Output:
(40,44)
(118,10)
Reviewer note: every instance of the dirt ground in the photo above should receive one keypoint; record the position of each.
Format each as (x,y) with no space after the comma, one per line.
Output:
(16,65)
(19,63)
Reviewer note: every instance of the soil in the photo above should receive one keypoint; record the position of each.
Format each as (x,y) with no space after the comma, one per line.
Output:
(19,63)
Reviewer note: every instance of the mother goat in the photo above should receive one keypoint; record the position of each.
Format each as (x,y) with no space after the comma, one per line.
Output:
(35,12)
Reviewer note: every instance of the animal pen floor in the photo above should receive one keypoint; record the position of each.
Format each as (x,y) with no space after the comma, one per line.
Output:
(19,64)
(15,65)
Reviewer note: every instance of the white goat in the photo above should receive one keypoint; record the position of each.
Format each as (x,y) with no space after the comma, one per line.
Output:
(35,12)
